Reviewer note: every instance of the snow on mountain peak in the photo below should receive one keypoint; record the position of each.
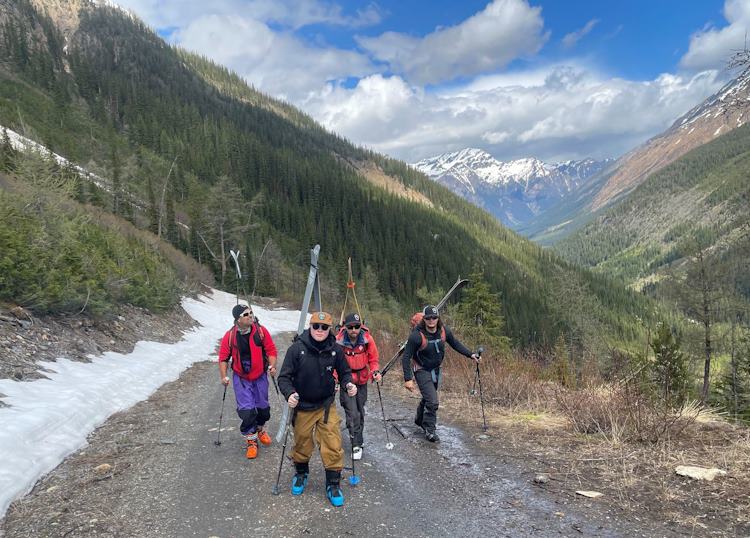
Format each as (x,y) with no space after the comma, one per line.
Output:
(513,190)
(485,167)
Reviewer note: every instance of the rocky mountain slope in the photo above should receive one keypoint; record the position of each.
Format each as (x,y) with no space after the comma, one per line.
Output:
(514,191)
(717,115)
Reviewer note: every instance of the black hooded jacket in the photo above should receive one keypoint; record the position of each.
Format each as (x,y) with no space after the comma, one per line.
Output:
(308,370)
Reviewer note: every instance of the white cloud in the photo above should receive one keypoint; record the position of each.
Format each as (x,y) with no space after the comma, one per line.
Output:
(570,40)
(574,113)
(711,48)
(503,31)
(277,63)
(289,13)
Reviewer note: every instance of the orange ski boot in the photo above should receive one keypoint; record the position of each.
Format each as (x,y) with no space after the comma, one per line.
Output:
(252,447)
(264,438)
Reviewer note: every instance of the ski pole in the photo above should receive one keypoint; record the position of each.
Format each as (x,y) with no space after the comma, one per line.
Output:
(474,386)
(283,451)
(221,416)
(481,397)
(388,444)
(354,479)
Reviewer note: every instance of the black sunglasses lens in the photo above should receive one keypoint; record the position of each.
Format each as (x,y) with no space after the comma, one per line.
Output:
(353,327)
(247,314)
(430,318)
(320,326)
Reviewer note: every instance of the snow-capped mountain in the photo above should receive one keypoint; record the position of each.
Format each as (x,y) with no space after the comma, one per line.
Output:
(514,191)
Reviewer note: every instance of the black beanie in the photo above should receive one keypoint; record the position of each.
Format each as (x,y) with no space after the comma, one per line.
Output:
(237,310)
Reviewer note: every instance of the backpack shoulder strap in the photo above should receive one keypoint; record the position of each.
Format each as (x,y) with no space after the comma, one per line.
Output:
(231,341)
(259,335)
(423,345)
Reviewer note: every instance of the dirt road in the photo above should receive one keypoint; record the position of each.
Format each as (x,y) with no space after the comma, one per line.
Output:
(154,470)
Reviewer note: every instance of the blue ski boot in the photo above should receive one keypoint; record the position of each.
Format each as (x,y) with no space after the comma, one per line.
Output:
(299,481)
(333,490)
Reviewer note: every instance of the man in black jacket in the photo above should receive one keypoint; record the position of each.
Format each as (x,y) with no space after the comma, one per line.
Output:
(307,382)
(421,360)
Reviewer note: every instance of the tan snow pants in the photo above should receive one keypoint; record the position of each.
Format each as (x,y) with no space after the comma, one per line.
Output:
(327,436)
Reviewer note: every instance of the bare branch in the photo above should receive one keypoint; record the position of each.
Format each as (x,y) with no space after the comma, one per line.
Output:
(163,194)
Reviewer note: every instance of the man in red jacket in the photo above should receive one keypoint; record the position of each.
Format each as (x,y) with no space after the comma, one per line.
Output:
(253,353)
(362,356)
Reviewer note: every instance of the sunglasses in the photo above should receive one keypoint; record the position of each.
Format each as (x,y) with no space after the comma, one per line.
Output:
(320,326)
(353,327)
(246,314)
(430,318)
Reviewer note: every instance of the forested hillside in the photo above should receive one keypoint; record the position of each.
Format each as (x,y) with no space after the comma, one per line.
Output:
(197,157)
(697,207)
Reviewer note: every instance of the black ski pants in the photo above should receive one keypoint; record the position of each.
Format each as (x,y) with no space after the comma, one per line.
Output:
(354,406)
(428,406)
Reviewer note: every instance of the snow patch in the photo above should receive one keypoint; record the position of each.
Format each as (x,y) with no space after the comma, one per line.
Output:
(21,143)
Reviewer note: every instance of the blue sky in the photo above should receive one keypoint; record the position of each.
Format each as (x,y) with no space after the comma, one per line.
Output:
(551,79)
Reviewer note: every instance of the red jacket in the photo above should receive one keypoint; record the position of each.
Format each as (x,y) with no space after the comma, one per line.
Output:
(230,350)
(362,356)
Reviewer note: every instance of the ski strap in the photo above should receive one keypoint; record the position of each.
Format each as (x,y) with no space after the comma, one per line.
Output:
(350,286)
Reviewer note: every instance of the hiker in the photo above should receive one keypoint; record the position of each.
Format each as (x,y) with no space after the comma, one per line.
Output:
(361,354)
(307,382)
(421,360)
(250,347)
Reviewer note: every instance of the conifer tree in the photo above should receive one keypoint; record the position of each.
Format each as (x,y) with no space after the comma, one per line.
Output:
(480,313)
(670,368)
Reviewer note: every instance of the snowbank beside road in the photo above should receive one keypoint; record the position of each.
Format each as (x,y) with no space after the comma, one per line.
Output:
(48,419)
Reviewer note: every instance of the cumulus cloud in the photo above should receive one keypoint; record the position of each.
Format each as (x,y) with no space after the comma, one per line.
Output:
(570,40)
(711,48)
(573,113)
(277,63)
(503,31)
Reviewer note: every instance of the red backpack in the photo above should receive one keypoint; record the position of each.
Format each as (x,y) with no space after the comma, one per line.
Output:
(258,338)
(416,319)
